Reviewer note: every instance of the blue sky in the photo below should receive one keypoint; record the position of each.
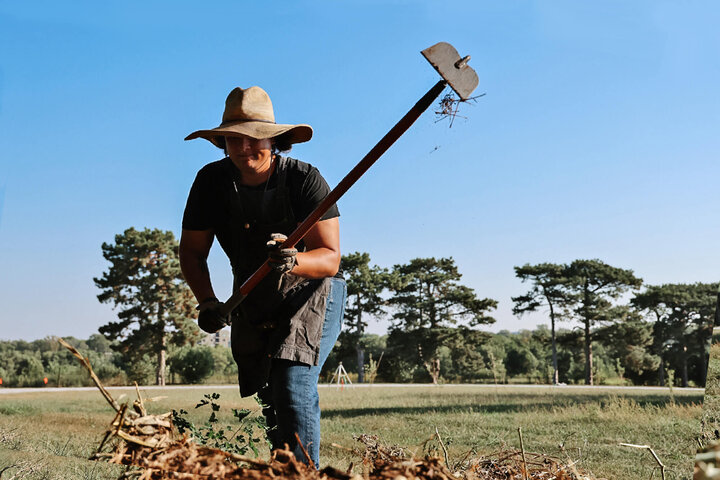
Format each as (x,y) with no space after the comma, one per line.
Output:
(597,137)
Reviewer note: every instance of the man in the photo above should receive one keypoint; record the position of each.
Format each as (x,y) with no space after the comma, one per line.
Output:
(251,200)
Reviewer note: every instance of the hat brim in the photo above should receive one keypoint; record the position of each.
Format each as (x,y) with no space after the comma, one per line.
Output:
(258,130)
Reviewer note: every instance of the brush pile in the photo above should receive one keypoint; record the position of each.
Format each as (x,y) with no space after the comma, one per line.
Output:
(382,462)
(152,448)
(157,457)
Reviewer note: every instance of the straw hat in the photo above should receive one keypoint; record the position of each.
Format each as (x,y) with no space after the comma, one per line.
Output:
(249,112)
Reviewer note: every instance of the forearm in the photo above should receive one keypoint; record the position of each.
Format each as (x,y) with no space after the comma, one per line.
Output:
(322,259)
(197,275)
(194,249)
(317,263)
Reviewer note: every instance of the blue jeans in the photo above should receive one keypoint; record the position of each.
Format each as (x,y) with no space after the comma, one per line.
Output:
(291,395)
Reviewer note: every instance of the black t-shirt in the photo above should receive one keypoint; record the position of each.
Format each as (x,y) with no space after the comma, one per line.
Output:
(206,205)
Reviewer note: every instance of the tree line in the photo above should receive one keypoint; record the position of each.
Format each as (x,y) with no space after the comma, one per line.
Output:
(619,328)
(642,330)
(44,362)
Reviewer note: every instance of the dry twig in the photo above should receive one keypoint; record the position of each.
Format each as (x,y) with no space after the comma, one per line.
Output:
(449,106)
(522,450)
(445,452)
(652,452)
(305,452)
(86,364)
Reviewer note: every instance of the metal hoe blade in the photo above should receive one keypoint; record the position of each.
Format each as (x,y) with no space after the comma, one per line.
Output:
(452,68)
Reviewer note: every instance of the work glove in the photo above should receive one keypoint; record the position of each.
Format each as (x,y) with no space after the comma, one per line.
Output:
(210,319)
(280,259)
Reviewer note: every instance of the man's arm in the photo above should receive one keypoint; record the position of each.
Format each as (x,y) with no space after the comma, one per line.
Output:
(194,249)
(322,258)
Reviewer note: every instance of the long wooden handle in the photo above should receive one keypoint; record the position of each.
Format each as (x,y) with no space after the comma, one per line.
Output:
(342,187)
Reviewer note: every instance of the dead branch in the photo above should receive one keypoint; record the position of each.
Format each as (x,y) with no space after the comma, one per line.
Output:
(445,452)
(305,452)
(86,364)
(652,452)
(522,450)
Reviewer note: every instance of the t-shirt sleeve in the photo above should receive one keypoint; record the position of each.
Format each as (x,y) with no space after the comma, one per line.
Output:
(313,192)
(201,206)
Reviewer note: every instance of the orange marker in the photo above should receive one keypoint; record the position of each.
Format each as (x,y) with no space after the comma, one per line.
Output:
(45,380)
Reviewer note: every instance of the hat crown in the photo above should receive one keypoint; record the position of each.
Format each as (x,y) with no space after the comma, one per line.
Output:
(248,104)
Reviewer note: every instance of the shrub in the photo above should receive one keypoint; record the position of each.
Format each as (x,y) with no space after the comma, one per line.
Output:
(193,364)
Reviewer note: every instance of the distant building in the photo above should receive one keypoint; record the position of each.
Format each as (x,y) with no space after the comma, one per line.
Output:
(215,339)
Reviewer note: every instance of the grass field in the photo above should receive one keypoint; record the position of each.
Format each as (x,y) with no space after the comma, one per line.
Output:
(711,405)
(56,432)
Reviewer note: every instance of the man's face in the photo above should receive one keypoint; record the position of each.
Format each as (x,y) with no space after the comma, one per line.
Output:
(248,153)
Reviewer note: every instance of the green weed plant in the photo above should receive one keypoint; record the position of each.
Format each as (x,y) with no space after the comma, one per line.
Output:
(250,432)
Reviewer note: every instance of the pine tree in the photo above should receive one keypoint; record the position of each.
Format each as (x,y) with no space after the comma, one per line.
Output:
(684,317)
(364,286)
(428,299)
(547,289)
(145,284)
(594,285)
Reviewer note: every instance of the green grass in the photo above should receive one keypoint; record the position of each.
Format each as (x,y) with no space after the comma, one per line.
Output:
(58,431)
(711,405)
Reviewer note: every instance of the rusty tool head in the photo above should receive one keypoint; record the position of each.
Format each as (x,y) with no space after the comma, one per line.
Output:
(452,68)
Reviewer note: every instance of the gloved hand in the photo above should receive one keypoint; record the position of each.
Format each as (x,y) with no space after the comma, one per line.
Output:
(281,259)
(210,319)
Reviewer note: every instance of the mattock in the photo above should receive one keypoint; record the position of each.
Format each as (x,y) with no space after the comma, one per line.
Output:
(455,72)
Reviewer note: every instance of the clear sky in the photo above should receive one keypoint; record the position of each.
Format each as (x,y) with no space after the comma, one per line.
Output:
(598,136)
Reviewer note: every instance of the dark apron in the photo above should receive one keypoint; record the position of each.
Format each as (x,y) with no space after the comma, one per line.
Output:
(280,317)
